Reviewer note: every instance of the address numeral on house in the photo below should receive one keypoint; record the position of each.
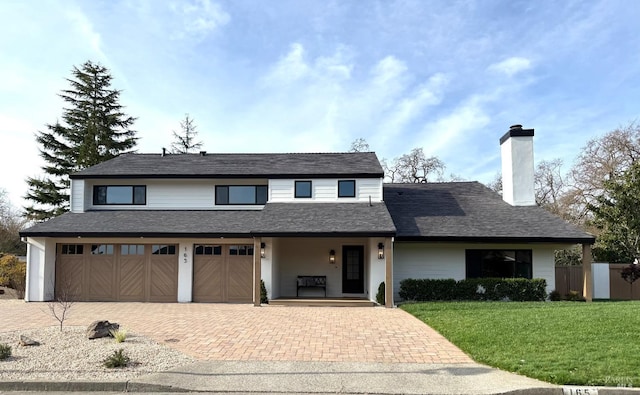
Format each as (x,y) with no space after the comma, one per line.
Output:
(579,391)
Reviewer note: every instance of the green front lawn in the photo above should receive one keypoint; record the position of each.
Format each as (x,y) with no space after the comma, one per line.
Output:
(559,342)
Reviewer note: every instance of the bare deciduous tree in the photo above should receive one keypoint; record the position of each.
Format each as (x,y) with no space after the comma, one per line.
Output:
(64,299)
(185,141)
(359,145)
(601,159)
(414,167)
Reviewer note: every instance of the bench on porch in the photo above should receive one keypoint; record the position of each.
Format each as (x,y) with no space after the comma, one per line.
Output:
(312,282)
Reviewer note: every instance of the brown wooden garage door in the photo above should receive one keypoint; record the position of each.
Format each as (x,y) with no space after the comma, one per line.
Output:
(118,272)
(223,273)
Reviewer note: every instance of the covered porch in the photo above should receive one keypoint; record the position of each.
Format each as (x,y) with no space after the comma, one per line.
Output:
(324,251)
(317,270)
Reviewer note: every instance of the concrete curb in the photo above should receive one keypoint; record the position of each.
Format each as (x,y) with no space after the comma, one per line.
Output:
(77,386)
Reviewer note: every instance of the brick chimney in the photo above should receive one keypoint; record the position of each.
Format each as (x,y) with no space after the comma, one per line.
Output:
(516,148)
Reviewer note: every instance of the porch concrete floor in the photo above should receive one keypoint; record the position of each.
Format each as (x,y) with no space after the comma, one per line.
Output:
(240,332)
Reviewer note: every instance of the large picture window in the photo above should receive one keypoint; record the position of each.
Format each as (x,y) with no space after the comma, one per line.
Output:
(303,189)
(241,194)
(119,194)
(499,263)
(347,188)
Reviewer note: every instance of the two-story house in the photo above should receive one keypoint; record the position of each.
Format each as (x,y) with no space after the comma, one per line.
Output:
(208,227)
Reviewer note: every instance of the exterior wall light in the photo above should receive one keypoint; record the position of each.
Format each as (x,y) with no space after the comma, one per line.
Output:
(380,251)
(332,257)
(262,247)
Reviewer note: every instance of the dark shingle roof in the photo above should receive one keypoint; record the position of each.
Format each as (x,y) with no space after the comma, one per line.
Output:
(469,211)
(293,219)
(136,223)
(325,219)
(327,165)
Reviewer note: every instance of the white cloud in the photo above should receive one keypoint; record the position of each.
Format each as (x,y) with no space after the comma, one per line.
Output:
(201,17)
(83,25)
(289,68)
(511,66)
(466,118)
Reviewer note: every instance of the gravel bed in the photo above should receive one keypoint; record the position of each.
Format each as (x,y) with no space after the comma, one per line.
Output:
(71,356)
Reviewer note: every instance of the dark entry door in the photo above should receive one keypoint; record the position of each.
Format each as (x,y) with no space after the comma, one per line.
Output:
(353,269)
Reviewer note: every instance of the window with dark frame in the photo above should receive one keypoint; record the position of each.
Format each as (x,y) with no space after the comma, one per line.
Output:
(163,249)
(132,249)
(208,250)
(499,264)
(347,188)
(72,249)
(119,195)
(241,250)
(102,249)
(303,189)
(241,194)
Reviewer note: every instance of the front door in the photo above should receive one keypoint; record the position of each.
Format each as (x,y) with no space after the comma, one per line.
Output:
(352,269)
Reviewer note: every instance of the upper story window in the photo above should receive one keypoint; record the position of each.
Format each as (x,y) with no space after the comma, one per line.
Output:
(119,194)
(347,188)
(303,189)
(241,194)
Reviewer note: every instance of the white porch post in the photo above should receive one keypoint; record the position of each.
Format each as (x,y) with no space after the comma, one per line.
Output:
(587,283)
(256,270)
(388,280)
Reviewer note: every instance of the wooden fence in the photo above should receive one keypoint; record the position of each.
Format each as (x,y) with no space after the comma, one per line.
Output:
(569,278)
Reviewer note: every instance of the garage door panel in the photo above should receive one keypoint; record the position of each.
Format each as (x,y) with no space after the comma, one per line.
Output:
(208,278)
(69,276)
(240,279)
(101,278)
(163,278)
(131,278)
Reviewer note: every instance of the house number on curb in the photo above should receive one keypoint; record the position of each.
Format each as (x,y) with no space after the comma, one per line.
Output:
(579,391)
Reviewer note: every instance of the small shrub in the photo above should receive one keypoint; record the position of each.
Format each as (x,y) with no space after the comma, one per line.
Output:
(13,274)
(380,296)
(263,293)
(119,335)
(116,360)
(555,296)
(574,296)
(516,289)
(5,351)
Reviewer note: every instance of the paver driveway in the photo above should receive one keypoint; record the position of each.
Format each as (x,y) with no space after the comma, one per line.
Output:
(270,333)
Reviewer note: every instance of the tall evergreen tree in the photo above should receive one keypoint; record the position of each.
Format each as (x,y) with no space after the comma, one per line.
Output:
(184,142)
(94,129)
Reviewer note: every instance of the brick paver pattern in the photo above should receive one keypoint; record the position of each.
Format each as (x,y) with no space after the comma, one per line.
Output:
(237,332)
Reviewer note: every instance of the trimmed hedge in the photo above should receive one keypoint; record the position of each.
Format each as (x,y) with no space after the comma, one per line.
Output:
(516,289)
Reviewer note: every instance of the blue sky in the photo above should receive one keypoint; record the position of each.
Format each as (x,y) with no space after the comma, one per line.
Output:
(312,76)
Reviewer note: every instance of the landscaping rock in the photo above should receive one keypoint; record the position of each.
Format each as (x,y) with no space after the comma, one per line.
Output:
(99,329)
(27,341)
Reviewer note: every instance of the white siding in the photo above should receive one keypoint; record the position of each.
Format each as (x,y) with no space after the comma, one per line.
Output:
(41,257)
(77,196)
(325,190)
(185,272)
(174,194)
(310,257)
(441,261)
(377,268)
